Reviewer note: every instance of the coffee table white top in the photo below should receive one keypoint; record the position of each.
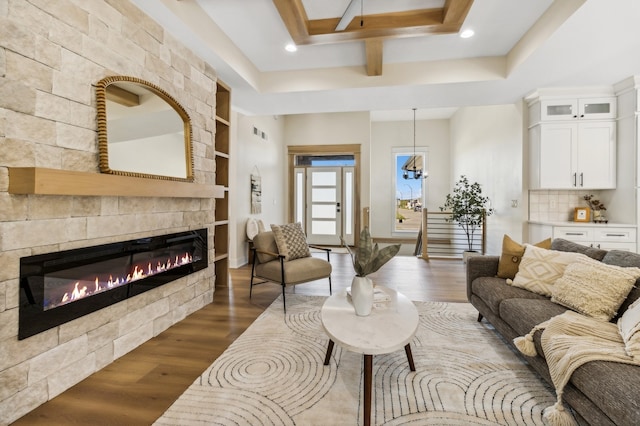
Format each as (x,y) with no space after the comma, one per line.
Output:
(388,328)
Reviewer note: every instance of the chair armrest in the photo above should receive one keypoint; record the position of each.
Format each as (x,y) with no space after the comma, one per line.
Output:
(325,249)
(480,266)
(270,253)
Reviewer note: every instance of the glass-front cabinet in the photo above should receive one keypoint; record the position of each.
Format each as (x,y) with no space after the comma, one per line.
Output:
(572,140)
(578,109)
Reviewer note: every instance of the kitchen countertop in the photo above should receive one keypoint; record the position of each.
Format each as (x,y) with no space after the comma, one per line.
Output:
(571,223)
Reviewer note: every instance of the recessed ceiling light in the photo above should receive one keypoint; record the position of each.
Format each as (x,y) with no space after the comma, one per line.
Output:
(291,47)
(467,33)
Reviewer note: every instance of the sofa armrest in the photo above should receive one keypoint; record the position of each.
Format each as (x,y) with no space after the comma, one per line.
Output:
(480,266)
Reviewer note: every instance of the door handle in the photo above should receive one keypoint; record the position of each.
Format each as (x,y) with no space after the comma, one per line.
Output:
(581,179)
(575,177)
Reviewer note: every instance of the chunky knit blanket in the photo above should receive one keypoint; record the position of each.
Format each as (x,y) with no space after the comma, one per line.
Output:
(570,340)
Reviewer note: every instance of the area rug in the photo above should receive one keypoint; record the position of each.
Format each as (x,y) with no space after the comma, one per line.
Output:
(273,374)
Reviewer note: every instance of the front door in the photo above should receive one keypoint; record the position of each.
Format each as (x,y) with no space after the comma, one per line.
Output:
(326,203)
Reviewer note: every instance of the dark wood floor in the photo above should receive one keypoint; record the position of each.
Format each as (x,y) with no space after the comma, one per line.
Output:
(138,387)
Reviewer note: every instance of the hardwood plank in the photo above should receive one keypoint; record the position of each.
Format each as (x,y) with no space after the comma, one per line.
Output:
(137,388)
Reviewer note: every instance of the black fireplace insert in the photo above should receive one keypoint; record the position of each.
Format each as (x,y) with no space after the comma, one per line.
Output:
(59,287)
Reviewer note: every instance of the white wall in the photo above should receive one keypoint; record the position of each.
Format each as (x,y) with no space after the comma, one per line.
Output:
(487,147)
(335,129)
(431,135)
(250,155)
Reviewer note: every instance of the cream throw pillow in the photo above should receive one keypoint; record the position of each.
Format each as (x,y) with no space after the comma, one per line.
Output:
(593,288)
(511,257)
(629,326)
(540,268)
(291,241)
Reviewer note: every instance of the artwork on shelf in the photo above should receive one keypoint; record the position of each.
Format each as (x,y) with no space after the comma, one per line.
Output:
(582,214)
(256,194)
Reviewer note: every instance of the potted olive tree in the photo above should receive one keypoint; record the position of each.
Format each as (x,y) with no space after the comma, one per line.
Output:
(468,208)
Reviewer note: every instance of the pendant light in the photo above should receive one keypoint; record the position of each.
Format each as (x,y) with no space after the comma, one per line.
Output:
(416,173)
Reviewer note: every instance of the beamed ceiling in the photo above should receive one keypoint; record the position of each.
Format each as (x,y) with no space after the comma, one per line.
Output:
(371,29)
(406,54)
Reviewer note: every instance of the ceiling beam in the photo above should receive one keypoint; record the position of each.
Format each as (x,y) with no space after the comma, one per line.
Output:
(455,11)
(373,49)
(374,28)
(294,17)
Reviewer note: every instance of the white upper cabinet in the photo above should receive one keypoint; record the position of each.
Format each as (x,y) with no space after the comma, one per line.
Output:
(573,155)
(569,109)
(572,143)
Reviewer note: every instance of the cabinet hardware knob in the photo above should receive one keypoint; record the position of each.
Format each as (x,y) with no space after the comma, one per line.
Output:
(574,233)
(575,182)
(615,235)
(581,179)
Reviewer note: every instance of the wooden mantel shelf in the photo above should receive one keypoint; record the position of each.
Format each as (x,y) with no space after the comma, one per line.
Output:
(37,180)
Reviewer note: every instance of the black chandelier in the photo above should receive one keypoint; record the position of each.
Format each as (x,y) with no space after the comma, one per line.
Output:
(410,166)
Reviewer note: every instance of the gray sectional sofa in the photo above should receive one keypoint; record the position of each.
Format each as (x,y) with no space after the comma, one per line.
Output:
(600,392)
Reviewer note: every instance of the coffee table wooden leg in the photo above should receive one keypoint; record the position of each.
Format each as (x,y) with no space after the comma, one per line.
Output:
(407,349)
(327,357)
(368,373)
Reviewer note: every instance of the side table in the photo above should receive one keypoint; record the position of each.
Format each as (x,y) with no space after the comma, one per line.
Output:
(387,329)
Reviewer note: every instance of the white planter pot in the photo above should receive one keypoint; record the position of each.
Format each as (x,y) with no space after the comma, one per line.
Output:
(362,295)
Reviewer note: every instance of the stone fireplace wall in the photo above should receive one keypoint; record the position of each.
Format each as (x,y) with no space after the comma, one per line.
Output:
(51,54)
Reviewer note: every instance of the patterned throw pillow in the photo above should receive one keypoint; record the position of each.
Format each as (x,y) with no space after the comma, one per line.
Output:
(540,268)
(291,241)
(629,326)
(512,253)
(593,288)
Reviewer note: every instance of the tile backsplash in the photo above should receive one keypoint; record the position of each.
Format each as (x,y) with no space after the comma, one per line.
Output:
(556,206)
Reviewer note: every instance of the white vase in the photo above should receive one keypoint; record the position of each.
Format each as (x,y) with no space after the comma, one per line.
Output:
(362,295)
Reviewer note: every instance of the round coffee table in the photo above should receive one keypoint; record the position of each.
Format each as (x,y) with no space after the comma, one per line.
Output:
(390,327)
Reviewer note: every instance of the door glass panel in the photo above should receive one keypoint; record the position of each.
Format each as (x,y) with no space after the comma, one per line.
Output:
(604,108)
(348,203)
(323,195)
(319,227)
(323,211)
(559,109)
(323,178)
(299,197)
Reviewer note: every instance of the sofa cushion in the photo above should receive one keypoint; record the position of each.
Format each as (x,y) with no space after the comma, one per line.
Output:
(524,314)
(291,241)
(540,269)
(594,288)
(629,327)
(493,291)
(613,387)
(560,244)
(511,256)
(627,259)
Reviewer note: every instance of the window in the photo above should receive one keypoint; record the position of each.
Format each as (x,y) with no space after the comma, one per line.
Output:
(409,191)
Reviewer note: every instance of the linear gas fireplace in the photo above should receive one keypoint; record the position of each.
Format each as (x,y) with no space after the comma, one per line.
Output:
(59,287)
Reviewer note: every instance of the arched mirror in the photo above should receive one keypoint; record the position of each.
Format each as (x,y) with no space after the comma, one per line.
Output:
(142,131)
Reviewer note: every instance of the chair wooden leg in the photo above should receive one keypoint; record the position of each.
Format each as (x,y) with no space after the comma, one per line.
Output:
(284,301)
(253,269)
